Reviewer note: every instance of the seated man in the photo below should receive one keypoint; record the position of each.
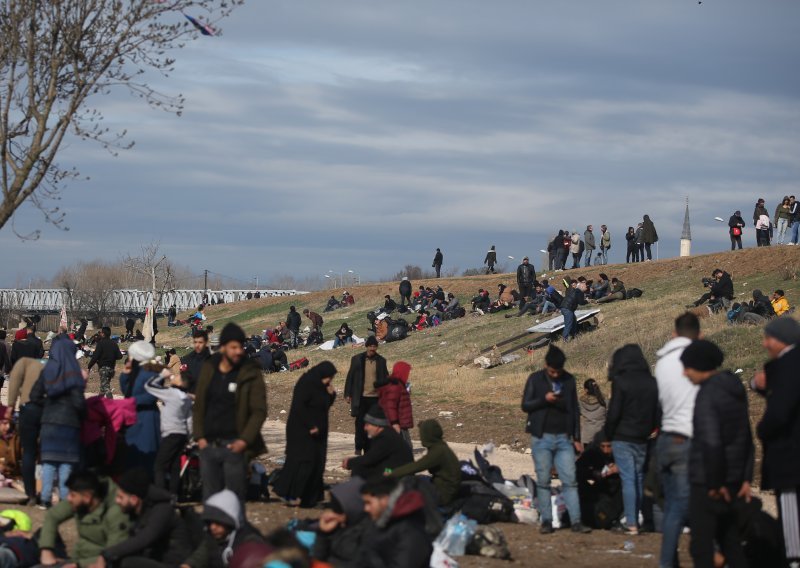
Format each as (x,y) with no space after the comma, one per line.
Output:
(344,527)
(398,539)
(599,485)
(343,336)
(759,311)
(387,449)
(451,304)
(439,460)
(279,360)
(720,292)
(158,535)
(101,523)
(333,304)
(617,292)
(389,305)
(600,288)
(481,302)
(552,298)
(225,531)
(779,303)
(532,305)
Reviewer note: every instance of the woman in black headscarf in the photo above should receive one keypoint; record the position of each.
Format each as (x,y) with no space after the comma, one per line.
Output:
(300,481)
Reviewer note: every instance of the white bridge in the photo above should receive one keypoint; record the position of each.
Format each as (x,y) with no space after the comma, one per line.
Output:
(130,301)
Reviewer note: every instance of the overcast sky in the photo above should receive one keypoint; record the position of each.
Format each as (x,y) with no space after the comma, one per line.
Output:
(360,135)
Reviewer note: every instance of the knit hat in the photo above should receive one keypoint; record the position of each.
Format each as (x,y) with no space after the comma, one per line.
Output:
(401,370)
(371,341)
(223,508)
(142,351)
(784,329)
(135,482)
(232,332)
(702,355)
(376,416)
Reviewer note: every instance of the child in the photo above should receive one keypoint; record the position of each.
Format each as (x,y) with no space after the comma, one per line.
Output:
(10,449)
(176,420)
(395,400)
(779,303)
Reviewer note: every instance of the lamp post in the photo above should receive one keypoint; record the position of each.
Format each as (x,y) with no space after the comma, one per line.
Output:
(356,278)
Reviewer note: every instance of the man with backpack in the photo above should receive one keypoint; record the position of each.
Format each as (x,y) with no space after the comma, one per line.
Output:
(551,401)
(526,278)
(360,392)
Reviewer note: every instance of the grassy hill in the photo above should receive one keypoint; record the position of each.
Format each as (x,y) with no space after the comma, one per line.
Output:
(485,403)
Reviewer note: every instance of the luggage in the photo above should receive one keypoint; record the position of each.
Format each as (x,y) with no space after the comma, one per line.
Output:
(299,364)
(633,293)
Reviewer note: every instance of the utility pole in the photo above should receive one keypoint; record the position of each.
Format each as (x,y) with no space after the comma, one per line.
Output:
(205,281)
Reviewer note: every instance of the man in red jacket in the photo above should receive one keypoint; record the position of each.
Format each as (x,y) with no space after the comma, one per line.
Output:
(394,398)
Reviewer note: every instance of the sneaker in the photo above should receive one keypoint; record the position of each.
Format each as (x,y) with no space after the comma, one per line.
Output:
(44,506)
(546,528)
(580,528)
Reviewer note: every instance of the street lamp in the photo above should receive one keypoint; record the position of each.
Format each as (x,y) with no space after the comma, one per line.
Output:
(355,276)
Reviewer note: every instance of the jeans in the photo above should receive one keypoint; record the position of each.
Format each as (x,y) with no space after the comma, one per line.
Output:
(714,521)
(340,343)
(570,323)
(588,260)
(632,255)
(783,225)
(549,450)
(629,458)
(795,231)
(30,423)
(673,464)
(576,259)
(736,240)
(221,469)
(649,252)
(548,306)
(603,255)
(49,470)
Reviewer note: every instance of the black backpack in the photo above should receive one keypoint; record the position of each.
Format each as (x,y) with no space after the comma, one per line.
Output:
(633,293)
(556,298)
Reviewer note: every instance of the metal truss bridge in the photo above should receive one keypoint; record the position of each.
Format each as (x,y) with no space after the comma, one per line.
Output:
(130,301)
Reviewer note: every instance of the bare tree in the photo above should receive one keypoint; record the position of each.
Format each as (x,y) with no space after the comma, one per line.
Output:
(56,56)
(155,266)
(90,289)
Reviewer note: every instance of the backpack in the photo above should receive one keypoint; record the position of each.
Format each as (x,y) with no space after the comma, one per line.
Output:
(489,542)
(633,293)
(299,364)
(556,298)
(486,505)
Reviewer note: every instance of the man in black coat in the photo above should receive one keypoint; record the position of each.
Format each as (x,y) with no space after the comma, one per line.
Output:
(405,291)
(293,323)
(194,360)
(397,538)
(26,344)
(387,451)
(720,458)
(438,260)
(551,401)
(359,389)
(736,226)
(105,356)
(779,429)
(721,290)
(526,278)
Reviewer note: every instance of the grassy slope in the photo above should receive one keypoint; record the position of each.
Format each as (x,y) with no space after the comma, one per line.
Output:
(482,399)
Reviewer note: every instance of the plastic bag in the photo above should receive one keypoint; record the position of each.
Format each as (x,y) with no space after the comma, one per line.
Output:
(456,535)
(440,559)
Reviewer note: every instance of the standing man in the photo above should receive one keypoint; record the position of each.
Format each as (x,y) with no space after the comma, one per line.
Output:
(779,429)
(405,291)
(490,260)
(172,315)
(229,409)
(554,423)
(359,389)
(24,375)
(293,323)
(105,356)
(721,457)
(676,394)
(588,240)
(735,227)
(605,244)
(194,360)
(794,209)
(315,319)
(438,260)
(526,277)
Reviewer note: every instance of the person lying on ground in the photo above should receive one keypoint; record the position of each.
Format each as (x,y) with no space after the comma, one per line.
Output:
(398,538)
(344,526)
(617,292)
(100,522)
(343,336)
(387,449)
(439,460)
(779,302)
(720,292)
(226,532)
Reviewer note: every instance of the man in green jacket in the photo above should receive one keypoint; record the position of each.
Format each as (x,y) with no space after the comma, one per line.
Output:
(100,521)
(229,409)
(440,461)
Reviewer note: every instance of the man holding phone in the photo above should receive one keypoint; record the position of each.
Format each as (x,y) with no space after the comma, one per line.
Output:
(551,401)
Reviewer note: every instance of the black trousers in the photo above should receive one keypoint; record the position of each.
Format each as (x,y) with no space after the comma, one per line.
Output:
(714,521)
(362,440)
(632,255)
(525,290)
(168,462)
(438,268)
(640,247)
(649,252)
(30,423)
(736,241)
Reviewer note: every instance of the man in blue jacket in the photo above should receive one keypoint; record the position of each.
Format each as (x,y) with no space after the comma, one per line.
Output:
(551,401)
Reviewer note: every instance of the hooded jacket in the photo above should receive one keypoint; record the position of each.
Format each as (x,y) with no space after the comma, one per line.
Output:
(779,429)
(593,416)
(405,288)
(395,400)
(633,411)
(341,547)
(387,450)
(762,305)
(398,538)
(575,247)
(104,527)
(573,298)
(649,234)
(354,384)
(157,533)
(735,221)
(251,403)
(722,450)
(439,460)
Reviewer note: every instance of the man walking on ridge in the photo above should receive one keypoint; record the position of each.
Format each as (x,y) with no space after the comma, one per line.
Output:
(438,260)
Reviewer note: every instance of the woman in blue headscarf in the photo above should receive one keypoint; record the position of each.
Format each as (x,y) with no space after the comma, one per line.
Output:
(59,390)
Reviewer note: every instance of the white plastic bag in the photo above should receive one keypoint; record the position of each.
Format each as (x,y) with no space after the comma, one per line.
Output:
(440,559)
(456,534)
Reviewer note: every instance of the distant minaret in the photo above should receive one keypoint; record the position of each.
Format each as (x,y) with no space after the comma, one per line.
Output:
(686,236)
